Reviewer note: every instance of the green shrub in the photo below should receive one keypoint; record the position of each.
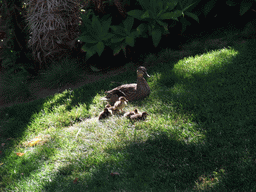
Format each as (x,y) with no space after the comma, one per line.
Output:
(95,34)
(153,16)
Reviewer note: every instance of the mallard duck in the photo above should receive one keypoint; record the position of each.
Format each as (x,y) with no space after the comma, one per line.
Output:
(131,92)
(139,116)
(121,103)
(112,109)
(128,114)
(104,114)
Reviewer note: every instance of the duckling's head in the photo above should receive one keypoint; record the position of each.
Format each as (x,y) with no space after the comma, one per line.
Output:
(106,111)
(141,71)
(108,105)
(122,98)
(144,114)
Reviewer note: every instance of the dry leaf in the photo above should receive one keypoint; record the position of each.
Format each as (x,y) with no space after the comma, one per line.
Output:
(114,173)
(20,154)
(75,181)
(34,141)
(1,164)
(3,144)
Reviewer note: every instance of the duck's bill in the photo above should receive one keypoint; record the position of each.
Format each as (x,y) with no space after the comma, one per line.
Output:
(104,99)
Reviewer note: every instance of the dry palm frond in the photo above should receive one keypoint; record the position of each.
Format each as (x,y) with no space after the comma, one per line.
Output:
(54,27)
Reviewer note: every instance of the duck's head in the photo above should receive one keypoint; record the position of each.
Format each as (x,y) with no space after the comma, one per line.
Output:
(141,71)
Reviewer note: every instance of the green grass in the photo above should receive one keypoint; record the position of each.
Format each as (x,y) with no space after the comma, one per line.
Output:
(15,88)
(199,135)
(61,73)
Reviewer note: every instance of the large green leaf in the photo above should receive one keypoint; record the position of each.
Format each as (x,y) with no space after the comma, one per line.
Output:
(245,6)
(136,13)
(141,29)
(161,23)
(156,36)
(116,50)
(118,30)
(171,15)
(170,5)
(146,15)
(96,25)
(128,23)
(159,7)
(100,47)
(177,13)
(134,34)
(106,37)
(116,40)
(106,26)
(130,41)
(184,9)
(89,52)
(232,2)
(153,8)
(192,15)
(209,6)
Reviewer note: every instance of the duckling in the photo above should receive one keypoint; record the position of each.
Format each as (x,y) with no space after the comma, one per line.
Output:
(121,103)
(111,109)
(128,114)
(104,114)
(139,116)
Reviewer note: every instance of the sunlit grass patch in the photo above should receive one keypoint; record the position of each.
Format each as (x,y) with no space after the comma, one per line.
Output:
(205,63)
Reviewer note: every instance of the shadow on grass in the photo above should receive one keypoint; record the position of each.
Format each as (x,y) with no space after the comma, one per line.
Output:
(223,102)
(159,164)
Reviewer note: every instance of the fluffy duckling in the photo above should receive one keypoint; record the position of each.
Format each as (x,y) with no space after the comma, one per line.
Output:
(111,109)
(128,114)
(121,103)
(104,114)
(139,116)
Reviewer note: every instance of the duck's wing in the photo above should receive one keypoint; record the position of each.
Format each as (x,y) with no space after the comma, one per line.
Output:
(123,89)
(115,91)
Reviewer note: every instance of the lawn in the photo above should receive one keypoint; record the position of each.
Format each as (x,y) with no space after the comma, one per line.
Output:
(199,135)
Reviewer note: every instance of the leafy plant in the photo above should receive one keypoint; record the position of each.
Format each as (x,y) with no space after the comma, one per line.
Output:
(184,6)
(96,34)
(155,13)
(124,35)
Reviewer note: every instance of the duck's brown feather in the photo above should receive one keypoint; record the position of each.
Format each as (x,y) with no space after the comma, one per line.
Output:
(133,91)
